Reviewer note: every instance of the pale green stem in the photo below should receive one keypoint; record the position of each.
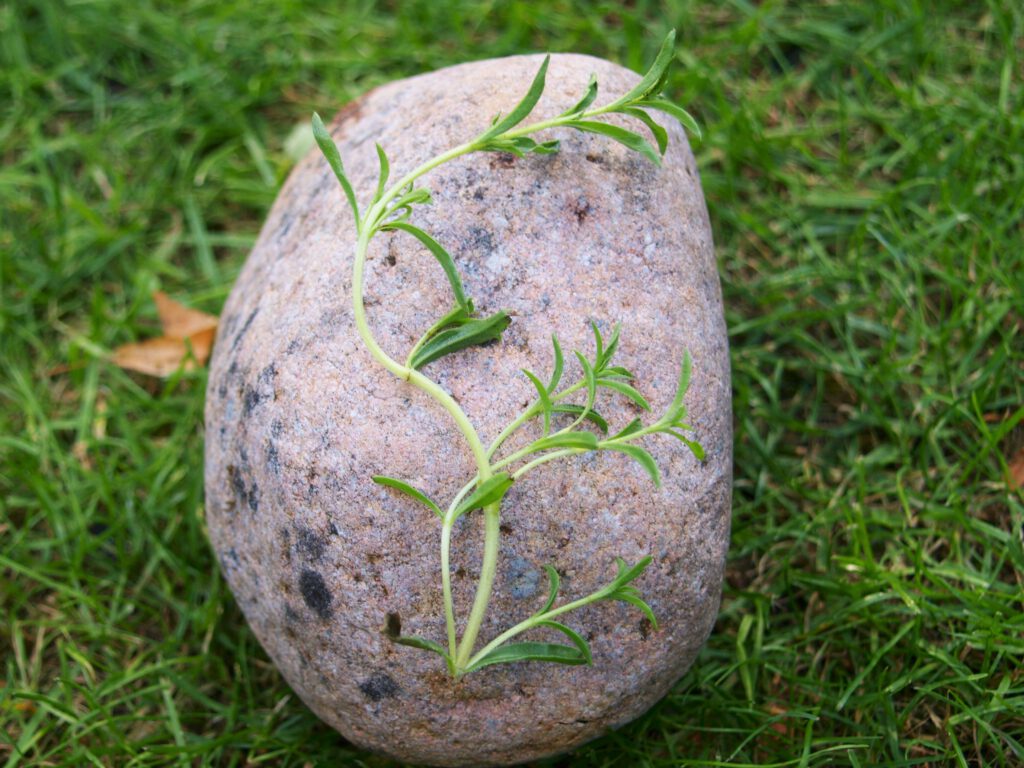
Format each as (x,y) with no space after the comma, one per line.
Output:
(488,568)
(446,574)
(405,372)
(545,459)
(528,414)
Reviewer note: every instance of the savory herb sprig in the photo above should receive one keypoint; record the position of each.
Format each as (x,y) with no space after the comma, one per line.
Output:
(576,403)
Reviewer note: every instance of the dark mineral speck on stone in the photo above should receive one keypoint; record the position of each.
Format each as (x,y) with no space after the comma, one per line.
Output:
(299,417)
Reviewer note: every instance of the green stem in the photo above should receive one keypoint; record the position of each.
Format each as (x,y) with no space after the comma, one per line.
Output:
(492,514)
(446,573)
(528,414)
(545,459)
(488,568)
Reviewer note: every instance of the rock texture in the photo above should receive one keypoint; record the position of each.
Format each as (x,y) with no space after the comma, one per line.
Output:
(299,417)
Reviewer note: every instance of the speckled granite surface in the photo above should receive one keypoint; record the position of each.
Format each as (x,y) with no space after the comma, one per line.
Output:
(298,418)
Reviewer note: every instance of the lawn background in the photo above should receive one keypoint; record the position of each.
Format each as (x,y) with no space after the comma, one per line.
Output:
(864,172)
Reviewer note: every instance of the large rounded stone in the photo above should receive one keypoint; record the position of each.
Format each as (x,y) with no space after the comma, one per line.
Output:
(299,417)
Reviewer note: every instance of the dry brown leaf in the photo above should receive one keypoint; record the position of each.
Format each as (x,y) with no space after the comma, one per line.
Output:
(179,321)
(1015,470)
(187,340)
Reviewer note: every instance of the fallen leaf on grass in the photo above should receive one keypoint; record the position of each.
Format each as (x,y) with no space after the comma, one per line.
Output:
(187,341)
(1015,470)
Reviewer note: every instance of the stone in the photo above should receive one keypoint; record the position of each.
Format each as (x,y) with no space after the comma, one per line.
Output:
(299,417)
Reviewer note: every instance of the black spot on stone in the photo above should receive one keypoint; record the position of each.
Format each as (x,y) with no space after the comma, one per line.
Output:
(644,627)
(482,239)
(309,543)
(478,193)
(393,625)
(232,555)
(273,459)
(250,399)
(237,483)
(267,375)
(293,346)
(276,428)
(505,528)
(334,530)
(580,209)
(244,329)
(315,593)
(253,498)
(291,615)
(380,686)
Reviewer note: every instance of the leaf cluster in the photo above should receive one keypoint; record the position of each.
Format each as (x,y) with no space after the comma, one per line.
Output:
(599,374)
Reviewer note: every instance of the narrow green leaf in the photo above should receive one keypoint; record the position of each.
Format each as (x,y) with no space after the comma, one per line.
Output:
(489,491)
(627,138)
(642,457)
(554,652)
(556,374)
(655,75)
(633,426)
(545,401)
(578,410)
(523,108)
(553,583)
(685,118)
(385,172)
(609,350)
(676,409)
(660,134)
(639,602)
(627,573)
(426,645)
(588,98)
(443,257)
(585,440)
(599,346)
(408,490)
(333,156)
(618,371)
(578,641)
(471,333)
(591,380)
(627,390)
(696,448)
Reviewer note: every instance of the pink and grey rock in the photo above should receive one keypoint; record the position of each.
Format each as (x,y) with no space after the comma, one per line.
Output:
(299,417)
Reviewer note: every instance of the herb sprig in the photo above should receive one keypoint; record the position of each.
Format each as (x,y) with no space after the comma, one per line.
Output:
(460,328)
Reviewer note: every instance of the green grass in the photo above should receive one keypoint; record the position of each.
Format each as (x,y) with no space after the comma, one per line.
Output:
(864,168)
